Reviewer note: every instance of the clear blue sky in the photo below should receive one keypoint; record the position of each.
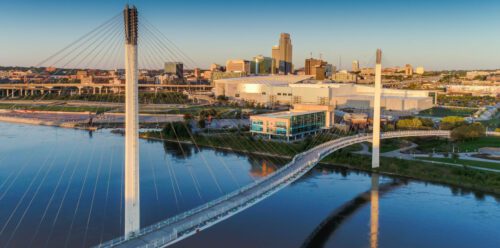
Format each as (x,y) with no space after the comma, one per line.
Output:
(439,34)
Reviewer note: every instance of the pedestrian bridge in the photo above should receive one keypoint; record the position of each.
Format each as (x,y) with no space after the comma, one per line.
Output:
(189,223)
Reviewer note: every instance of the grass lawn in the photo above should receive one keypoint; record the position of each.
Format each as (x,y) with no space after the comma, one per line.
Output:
(443,112)
(489,165)
(445,145)
(244,142)
(493,123)
(56,108)
(389,145)
(451,175)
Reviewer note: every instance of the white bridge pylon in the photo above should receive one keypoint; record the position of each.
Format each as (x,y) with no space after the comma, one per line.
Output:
(132,198)
(376,111)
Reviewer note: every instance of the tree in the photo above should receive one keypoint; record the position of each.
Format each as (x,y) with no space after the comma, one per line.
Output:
(480,78)
(427,122)
(201,123)
(207,112)
(451,122)
(413,123)
(175,130)
(222,98)
(468,132)
(188,117)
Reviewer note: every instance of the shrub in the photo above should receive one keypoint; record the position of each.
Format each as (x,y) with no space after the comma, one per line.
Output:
(467,132)
(414,123)
(451,122)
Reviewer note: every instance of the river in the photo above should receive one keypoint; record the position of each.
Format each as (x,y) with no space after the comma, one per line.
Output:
(63,188)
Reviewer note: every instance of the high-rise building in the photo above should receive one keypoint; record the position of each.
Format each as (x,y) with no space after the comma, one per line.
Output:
(238,65)
(420,70)
(282,55)
(197,73)
(315,67)
(345,77)
(355,66)
(215,67)
(175,68)
(261,65)
(329,70)
(408,70)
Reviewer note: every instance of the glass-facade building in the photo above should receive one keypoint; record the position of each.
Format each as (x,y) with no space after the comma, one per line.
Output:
(289,125)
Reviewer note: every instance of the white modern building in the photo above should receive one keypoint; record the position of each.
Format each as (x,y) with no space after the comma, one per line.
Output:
(292,89)
(475,90)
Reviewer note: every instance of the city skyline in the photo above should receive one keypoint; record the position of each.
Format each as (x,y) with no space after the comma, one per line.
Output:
(434,35)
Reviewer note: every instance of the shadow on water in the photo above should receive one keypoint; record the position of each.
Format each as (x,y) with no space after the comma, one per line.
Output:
(335,219)
(178,150)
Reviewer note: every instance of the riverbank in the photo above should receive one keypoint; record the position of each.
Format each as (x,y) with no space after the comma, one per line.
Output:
(420,170)
(413,169)
(80,120)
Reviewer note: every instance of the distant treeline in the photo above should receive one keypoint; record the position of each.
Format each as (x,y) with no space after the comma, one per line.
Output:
(144,98)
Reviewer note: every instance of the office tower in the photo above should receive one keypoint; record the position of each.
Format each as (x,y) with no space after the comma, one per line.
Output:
(175,68)
(215,67)
(420,70)
(355,66)
(282,55)
(197,73)
(315,67)
(261,65)
(238,65)
(408,70)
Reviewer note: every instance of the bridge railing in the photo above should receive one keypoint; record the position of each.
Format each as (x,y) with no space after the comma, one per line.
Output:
(322,150)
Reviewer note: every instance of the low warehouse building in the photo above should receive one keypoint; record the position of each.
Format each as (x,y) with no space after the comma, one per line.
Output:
(272,90)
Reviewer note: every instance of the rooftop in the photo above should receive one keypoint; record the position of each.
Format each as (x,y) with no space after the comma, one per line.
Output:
(267,80)
(288,114)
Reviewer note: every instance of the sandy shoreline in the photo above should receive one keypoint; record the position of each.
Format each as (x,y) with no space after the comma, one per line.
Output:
(77,119)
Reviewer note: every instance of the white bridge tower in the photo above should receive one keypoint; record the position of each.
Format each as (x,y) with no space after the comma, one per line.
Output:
(132,208)
(376,111)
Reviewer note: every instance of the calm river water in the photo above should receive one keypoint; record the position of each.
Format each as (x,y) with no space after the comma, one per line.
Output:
(63,188)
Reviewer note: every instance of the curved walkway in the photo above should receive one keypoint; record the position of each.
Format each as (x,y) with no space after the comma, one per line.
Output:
(189,223)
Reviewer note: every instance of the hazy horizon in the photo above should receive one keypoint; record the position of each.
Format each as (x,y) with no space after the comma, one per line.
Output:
(439,36)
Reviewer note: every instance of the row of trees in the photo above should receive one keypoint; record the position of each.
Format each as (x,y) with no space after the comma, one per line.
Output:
(460,130)
(415,124)
(144,98)
(467,100)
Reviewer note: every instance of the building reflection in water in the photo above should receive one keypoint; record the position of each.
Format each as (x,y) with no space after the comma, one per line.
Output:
(374,212)
(262,169)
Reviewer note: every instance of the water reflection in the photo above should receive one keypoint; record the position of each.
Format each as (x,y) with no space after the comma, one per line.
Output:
(262,168)
(374,212)
(178,150)
(330,225)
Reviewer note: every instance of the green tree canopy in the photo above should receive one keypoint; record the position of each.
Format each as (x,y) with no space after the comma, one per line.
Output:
(176,130)
(467,132)
(414,123)
(450,122)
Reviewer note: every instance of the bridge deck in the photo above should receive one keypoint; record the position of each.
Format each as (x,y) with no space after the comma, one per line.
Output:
(189,223)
